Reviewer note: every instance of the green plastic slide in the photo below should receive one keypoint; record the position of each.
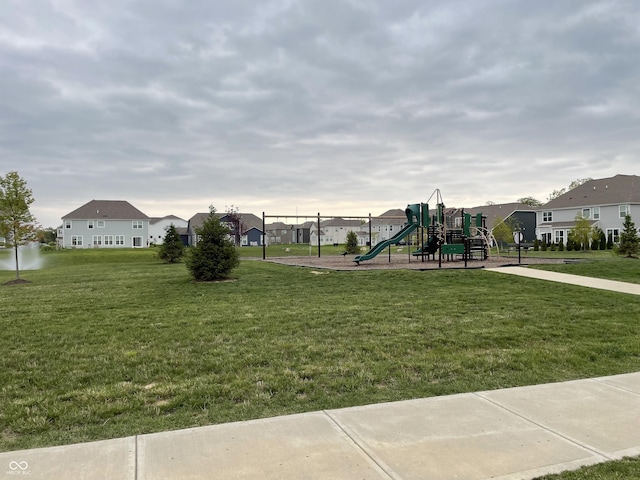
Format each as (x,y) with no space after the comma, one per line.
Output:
(382,245)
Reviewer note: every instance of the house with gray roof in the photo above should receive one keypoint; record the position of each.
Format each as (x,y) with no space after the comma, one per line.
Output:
(334,231)
(515,213)
(247,230)
(158,228)
(105,224)
(386,225)
(604,202)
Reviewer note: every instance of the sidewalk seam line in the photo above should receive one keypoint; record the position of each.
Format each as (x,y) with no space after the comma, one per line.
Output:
(135,465)
(379,463)
(604,381)
(546,428)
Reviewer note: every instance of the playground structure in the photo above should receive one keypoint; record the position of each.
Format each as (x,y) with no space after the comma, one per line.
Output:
(469,240)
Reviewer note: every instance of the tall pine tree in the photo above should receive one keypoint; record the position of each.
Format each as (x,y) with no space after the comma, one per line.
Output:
(214,255)
(172,248)
(629,241)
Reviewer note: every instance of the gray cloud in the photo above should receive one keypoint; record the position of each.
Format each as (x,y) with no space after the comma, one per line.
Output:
(335,106)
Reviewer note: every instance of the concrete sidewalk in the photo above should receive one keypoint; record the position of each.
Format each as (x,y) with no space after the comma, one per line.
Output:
(516,433)
(600,283)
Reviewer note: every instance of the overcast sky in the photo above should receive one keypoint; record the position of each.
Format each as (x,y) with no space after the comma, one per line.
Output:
(343,107)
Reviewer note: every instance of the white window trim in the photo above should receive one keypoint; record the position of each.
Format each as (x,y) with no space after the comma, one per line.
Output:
(559,236)
(623,210)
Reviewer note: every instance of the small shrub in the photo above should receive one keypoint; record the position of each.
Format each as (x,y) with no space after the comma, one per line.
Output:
(172,249)
(352,242)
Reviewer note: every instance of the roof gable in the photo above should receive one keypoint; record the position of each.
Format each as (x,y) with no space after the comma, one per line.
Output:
(106,209)
(620,189)
(249,220)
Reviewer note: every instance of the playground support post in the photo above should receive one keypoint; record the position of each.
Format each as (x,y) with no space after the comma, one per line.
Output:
(264,235)
(318,234)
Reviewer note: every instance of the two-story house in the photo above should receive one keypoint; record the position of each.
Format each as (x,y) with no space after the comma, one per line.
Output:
(244,228)
(334,231)
(158,228)
(604,202)
(105,224)
(386,225)
(524,216)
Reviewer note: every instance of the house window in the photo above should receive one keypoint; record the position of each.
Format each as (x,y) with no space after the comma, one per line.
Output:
(586,213)
(100,223)
(547,216)
(90,224)
(108,240)
(596,213)
(120,240)
(67,224)
(457,222)
(97,240)
(76,240)
(614,234)
(624,210)
(546,238)
(137,224)
(137,241)
(559,236)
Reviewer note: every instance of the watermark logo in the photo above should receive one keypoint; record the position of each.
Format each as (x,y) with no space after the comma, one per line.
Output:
(18,468)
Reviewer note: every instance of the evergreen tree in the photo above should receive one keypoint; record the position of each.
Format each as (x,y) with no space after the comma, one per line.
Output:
(352,242)
(610,241)
(603,241)
(172,249)
(570,244)
(629,241)
(214,255)
(596,234)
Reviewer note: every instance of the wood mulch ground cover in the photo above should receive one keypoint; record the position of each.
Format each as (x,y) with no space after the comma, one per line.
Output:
(403,262)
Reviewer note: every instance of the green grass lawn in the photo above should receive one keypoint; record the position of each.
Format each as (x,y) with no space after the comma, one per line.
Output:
(111,343)
(612,268)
